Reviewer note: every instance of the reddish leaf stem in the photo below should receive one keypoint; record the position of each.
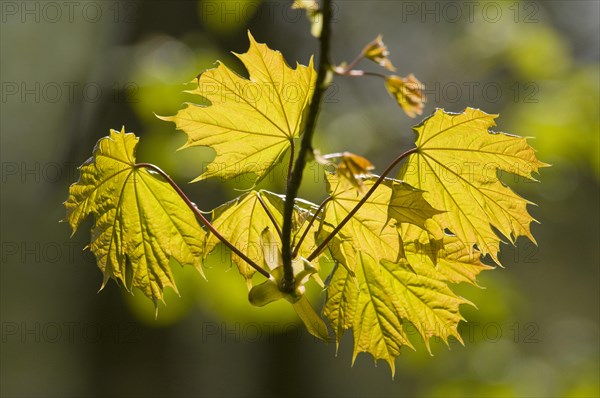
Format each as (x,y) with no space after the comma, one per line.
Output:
(370,192)
(269,214)
(311,222)
(359,73)
(351,65)
(201,217)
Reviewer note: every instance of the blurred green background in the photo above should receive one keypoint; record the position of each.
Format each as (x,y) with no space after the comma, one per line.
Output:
(70,71)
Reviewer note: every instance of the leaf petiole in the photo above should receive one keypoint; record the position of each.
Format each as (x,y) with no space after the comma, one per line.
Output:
(201,217)
(370,192)
(310,223)
(358,73)
(269,214)
(342,71)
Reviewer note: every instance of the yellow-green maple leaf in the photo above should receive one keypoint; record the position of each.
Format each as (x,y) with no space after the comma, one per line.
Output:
(250,123)
(374,294)
(242,222)
(377,302)
(456,164)
(454,261)
(269,291)
(379,299)
(447,260)
(303,212)
(140,220)
(372,230)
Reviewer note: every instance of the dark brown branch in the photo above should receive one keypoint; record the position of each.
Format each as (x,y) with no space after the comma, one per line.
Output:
(305,151)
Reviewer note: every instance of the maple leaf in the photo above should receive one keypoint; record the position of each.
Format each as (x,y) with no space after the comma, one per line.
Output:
(372,229)
(140,220)
(376,289)
(447,260)
(454,261)
(351,168)
(408,93)
(377,52)
(250,123)
(456,164)
(378,301)
(242,221)
(269,290)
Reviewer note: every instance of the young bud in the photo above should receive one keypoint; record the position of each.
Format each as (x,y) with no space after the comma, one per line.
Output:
(408,92)
(377,52)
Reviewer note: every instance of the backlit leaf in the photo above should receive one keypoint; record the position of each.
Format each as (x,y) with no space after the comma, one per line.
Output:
(351,168)
(250,123)
(408,93)
(377,52)
(372,230)
(380,299)
(456,166)
(379,288)
(242,222)
(140,220)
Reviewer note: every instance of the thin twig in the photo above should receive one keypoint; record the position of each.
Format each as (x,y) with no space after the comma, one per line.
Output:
(359,73)
(352,64)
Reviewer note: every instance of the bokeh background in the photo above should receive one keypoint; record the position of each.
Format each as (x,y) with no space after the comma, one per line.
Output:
(70,71)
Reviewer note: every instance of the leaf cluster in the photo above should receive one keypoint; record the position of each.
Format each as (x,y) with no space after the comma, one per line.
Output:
(398,244)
